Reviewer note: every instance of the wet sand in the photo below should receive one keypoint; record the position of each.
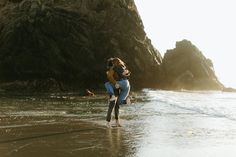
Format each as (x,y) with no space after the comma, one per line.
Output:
(59,137)
(157,124)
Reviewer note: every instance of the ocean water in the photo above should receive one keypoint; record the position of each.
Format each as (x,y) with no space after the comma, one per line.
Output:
(196,124)
(157,123)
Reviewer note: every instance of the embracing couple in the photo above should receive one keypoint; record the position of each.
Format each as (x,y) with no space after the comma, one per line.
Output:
(117,87)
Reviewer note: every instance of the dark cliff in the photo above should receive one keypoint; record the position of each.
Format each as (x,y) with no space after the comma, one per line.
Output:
(185,67)
(60,44)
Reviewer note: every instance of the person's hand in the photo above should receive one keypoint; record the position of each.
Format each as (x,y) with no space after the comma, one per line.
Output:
(126,73)
(117,85)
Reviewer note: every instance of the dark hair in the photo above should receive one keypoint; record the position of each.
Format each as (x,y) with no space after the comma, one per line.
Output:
(109,62)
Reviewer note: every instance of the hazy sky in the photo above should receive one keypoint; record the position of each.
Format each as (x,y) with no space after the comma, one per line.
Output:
(208,24)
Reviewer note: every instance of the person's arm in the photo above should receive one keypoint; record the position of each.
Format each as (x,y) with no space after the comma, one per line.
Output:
(110,76)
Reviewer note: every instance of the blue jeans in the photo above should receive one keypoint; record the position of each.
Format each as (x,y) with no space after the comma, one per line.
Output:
(110,88)
(124,91)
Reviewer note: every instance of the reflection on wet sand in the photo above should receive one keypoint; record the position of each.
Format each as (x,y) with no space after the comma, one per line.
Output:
(114,138)
(58,126)
(64,138)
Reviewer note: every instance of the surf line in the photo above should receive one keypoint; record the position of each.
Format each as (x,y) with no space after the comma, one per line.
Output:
(46,135)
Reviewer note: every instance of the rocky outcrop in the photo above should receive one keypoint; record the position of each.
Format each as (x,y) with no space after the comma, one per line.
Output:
(185,67)
(229,89)
(68,41)
(56,45)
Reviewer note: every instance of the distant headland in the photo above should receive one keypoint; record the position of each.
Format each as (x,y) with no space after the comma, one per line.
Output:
(48,45)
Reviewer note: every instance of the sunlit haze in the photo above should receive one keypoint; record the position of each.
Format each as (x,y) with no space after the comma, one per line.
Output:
(208,24)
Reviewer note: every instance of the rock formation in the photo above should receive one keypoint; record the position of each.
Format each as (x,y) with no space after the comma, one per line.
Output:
(54,45)
(229,89)
(185,67)
(67,42)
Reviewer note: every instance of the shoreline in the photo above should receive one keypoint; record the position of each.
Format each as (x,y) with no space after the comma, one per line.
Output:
(97,93)
(157,122)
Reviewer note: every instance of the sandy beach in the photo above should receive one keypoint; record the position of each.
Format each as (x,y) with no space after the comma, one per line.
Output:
(157,123)
(60,137)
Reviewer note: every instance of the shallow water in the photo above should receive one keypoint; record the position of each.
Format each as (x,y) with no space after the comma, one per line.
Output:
(158,123)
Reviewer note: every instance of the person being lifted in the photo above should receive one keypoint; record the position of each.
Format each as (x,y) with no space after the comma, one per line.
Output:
(118,87)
